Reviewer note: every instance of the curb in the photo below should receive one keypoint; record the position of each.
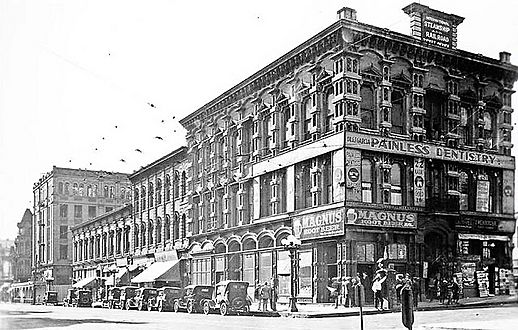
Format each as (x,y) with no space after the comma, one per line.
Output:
(374,312)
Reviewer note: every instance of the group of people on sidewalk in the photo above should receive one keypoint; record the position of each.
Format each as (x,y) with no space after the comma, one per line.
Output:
(445,290)
(266,295)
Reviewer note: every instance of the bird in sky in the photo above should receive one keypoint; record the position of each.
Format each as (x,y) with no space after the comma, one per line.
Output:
(138,150)
(163,121)
(103,137)
(158,138)
(122,160)
(174,117)
(96,149)
(151,105)
(116,126)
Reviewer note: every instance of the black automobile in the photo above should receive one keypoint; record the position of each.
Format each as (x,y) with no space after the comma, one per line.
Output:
(114,295)
(229,297)
(143,296)
(51,297)
(164,301)
(84,298)
(127,297)
(71,298)
(193,298)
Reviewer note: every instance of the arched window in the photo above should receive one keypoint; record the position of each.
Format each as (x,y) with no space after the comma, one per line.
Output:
(184,226)
(367,179)
(135,200)
(330,110)
(167,228)
(367,107)
(158,191)
(137,237)
(81,189)
(307,118)
(167,188)
(176,227)
(95,192)
(143,197)
(158,231)
(395,184)
(488,129)
(398,115)
(89,191)
(106,192)
(123,193)
(151,192)
(112,192)
(143,234)
(67,188)
(150,232)
(184,184)
(176,185)
(74,189)
(60,188)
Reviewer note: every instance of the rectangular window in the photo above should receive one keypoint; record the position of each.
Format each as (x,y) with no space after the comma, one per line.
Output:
(63,251)
(249,268)
(265,267)
(365,252)
(63,211)
(284,272)
(63,231)
(78,211)
(92,211)
(305,274)
(397,251)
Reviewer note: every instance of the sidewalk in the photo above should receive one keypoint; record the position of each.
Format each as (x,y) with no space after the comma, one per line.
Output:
(328,310)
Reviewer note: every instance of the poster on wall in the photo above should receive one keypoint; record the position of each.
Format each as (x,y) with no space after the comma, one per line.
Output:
(419,186)
(338,176)
(508,192)
(482,196)
(353,161)
(483,284)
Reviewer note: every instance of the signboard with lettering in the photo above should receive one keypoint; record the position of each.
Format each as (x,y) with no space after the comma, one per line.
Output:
(508,192)
(426,150)
(419,186)
(338,176)
(353,160)
(483,224)
(482,204)
(319,224)
(381,218)
(436,31)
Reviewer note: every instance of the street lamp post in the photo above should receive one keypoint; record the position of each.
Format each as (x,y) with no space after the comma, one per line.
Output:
(292,244)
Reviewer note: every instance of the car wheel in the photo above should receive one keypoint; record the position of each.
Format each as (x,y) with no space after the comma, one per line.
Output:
(206,308)
(176,307)
(190,307)
(223,309)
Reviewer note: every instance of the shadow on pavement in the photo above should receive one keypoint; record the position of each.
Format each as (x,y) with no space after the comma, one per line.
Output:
(46,322)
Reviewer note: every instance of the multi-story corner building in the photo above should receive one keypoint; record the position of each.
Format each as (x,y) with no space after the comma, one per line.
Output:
(64,198)
(366,144)
(22,270)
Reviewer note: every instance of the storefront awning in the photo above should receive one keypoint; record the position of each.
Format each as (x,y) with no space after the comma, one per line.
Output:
(484,237)
(84,282)
(159,271)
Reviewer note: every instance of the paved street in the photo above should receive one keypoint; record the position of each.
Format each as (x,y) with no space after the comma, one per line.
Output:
(17,316)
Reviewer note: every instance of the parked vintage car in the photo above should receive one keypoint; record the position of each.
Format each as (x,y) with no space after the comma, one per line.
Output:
(193,298)
(127,297)
(114,295)
(71,298)
(51,297)
(164,301)
(84,298)
(229,297)
(144,295)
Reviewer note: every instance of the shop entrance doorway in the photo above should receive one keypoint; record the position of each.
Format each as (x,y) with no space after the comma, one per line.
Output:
(366,273)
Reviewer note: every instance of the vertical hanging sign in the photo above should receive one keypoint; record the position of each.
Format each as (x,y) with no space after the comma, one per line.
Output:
(508,192)
(338,176)
(353,161)
(419,192)
(482,196)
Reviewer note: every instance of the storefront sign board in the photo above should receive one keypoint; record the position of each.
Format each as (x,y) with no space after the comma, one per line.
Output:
(381,218)
(482,204)
(508,192)
(419,186)
(319,224)
(426,150)
(353,160)
(338,176)
(436,30)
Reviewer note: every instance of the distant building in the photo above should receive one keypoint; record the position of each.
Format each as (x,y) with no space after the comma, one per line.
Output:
(6,271)
(22,271)
(63,198)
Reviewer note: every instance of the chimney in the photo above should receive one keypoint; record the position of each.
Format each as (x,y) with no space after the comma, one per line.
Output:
(347,13)
(505,57)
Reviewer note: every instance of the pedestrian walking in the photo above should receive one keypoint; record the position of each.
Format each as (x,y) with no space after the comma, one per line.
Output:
(273,299)
(336,289)
(415,291)
(377,289)
(443,292)
(346,285)
(399,286)
(454,289)
(266,293)
(257,295)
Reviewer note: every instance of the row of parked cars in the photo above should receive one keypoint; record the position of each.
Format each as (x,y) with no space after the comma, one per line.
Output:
(226,297)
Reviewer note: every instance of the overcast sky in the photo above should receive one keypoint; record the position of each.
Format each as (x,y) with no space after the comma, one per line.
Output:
(71,70)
